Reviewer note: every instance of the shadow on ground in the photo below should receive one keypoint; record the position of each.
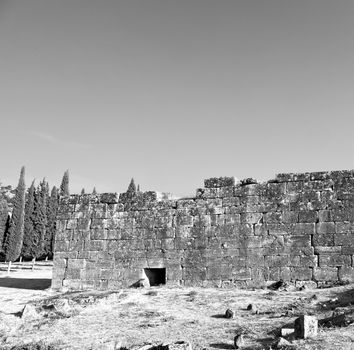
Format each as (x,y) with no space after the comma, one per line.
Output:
(222,346)
(25,283)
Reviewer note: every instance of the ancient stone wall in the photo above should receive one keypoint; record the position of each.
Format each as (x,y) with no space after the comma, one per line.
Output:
(297,227)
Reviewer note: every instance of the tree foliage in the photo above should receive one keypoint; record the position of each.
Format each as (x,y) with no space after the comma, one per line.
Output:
(39,220)
(14,235)
(64,187)
(131,188)
(4,213)
(29,222)
(52,209)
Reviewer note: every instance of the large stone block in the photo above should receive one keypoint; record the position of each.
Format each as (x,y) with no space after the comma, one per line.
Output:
(328,250)
(277,260)
(325,274)
(344,239)
(305,327)
(323,240)
(273,218)
(279,229)
(185,203)
(61,246)
(260,230)
(325,215)
(83,223)
(219,182)
(73,273)
(290,217)
(340,214)
(183,218)
(301,273)
(76,263)
(230,201)
(255,258)
(96,245)
(226,192)
(335,260)
(99,224)
(303,229)
(347,250)
(99,211)
(308,260)
(260,274)
(71,224)
(346,273)
(344,227)
(196,274)
(274,245)
(208,193)
(325,227)
(239,273)
(308,216)
(298,245)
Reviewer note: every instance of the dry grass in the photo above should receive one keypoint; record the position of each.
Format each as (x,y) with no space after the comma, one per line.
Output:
(135,317)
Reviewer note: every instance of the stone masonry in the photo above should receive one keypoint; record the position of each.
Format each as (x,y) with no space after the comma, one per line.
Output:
(297,227)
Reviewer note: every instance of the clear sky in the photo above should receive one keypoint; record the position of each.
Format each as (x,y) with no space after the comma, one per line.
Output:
(174,91)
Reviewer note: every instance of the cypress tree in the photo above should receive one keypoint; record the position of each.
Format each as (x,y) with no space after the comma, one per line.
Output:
(4,213)
(131,188)
(94,192)
(28,225)
(14,236)
(52,209)
(64,187)
(82,192)
(39,221)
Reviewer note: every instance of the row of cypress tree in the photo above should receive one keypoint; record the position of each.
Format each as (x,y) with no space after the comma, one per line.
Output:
(30,230)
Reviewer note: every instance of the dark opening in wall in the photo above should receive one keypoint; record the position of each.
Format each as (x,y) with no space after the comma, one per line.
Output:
(156,276)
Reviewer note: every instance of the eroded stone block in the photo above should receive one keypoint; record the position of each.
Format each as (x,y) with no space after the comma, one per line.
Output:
(306,326)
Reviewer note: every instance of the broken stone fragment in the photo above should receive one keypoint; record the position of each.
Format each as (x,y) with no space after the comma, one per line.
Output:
(281,343)
(180,345)
(239,341)
(341,320)
(286,331)
(229,313)
(253,308)
(29,312)
(306,326)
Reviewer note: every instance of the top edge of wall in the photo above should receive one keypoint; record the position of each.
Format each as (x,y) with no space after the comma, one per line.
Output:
(214,182)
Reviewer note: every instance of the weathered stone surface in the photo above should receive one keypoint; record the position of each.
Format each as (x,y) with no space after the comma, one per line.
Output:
(29,312)
(239,341)
(219,182)
(229,313)
(286,331)
(306,326)
(297,227)
(282,343)
(325,273)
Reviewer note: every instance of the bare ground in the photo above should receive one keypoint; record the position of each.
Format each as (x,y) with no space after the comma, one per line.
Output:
(134,317)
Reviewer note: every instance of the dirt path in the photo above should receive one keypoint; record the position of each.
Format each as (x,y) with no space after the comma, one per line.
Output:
(138,316)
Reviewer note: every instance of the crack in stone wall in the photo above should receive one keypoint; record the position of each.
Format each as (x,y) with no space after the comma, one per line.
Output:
(297,227)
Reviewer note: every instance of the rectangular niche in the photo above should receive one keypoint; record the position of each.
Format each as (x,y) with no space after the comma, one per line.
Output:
(156,276)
